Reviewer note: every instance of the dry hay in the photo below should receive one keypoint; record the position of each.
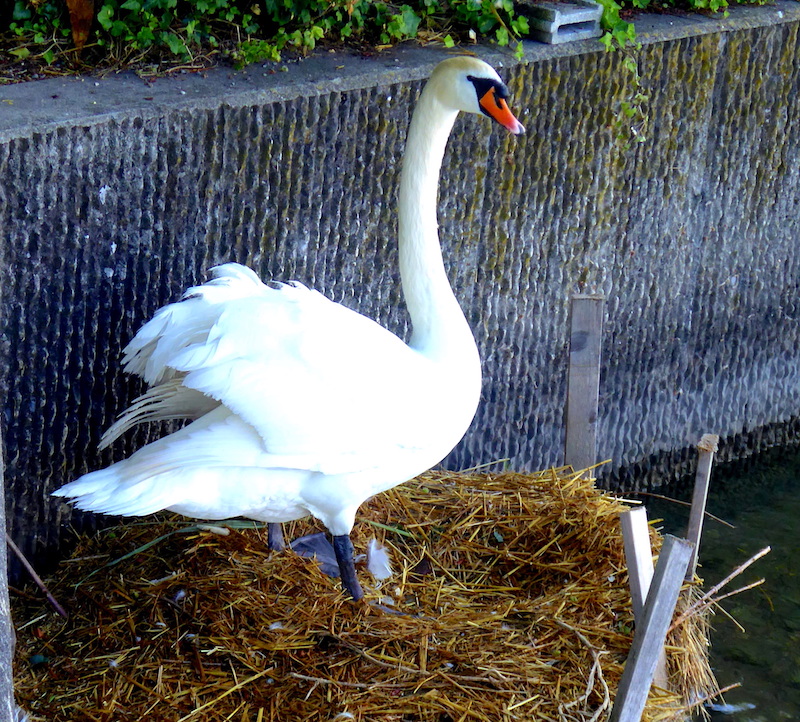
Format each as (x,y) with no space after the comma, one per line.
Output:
(512,598)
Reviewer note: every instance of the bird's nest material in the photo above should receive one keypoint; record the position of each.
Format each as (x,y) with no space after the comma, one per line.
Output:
(509,601)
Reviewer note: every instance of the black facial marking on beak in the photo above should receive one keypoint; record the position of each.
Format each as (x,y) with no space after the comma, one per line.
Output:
(483,86)
(492,96)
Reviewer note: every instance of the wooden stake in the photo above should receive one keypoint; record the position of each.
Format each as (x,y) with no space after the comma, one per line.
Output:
(638,555)
(639,558)
(650,635)
(36,578)
(7,706)
(583,382)
(707,446)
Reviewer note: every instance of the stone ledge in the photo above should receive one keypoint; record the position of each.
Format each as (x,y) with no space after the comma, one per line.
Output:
(42,105)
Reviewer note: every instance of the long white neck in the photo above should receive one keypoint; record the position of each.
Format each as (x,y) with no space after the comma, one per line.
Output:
(439,327)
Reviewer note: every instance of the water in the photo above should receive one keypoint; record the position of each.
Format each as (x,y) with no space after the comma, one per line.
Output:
(763,502)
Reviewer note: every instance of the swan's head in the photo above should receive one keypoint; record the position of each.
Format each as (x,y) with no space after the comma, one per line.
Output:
(472,86)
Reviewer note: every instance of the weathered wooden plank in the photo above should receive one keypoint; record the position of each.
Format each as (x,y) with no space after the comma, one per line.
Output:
(649,637)
(639,558)
(707,447)
(7,705)
(583,385)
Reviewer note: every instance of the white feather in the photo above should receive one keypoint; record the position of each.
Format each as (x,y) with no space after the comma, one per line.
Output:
(378,562)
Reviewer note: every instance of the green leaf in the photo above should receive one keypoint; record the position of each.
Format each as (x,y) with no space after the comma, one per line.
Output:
(520,25)
(176,45)
(622,34)
(196,31)
(21,11)
(449,42)
(630,65)
(118,28)
(20,53)
(104,16)
(486,23)
(133,5)
(405,24)
(502,35)
(145,38)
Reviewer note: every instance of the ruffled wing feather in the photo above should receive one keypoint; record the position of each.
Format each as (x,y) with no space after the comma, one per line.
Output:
(319,382)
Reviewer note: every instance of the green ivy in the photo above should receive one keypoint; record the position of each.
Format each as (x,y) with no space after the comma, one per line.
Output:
(256,30)
(262,30)
(45,27)
(144,24)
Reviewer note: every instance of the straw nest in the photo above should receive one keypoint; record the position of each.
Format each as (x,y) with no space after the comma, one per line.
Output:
(509,601)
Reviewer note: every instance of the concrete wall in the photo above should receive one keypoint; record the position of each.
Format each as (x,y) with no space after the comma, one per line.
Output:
(117,193)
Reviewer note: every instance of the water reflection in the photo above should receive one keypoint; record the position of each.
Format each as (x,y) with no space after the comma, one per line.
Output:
(763,502)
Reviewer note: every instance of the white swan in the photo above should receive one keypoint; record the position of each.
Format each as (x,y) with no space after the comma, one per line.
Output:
(300,405)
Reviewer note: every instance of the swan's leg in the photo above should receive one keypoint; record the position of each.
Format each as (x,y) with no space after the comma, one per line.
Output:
(275,537)
(347,568)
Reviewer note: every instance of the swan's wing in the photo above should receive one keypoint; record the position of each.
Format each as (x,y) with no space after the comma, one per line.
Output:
(322,385)
(188,322)
(314,378)
(164,402)
(171,330)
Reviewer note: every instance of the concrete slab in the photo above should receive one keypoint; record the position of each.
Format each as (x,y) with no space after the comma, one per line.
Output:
(32,107)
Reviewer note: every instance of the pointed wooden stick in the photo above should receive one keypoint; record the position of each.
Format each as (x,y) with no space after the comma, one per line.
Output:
(707,447)
(36,578)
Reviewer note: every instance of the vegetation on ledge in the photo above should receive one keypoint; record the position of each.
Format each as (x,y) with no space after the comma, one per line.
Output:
(43,37)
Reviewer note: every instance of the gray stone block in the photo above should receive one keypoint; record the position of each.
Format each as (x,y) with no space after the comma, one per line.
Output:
(563,22)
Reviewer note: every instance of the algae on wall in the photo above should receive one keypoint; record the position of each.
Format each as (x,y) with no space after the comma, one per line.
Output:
(691,236)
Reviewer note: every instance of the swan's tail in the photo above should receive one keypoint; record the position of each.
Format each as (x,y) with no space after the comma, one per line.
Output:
(170,470)
(108,491)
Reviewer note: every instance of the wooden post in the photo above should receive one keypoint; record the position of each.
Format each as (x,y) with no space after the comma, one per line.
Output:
(707,447)
(7,706)
(650,635)
(583,382)
(639,558)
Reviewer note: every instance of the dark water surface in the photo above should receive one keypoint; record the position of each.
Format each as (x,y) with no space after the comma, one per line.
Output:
(763,502)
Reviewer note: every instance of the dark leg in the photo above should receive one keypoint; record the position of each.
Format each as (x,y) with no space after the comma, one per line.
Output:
(275,537)
(344,555)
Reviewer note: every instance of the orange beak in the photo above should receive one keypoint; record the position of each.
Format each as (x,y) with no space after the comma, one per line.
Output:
(497,108)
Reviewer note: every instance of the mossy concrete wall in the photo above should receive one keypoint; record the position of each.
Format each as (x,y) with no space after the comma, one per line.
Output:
(118,193)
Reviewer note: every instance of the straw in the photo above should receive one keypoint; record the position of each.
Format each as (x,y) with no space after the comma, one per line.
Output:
(509,601)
